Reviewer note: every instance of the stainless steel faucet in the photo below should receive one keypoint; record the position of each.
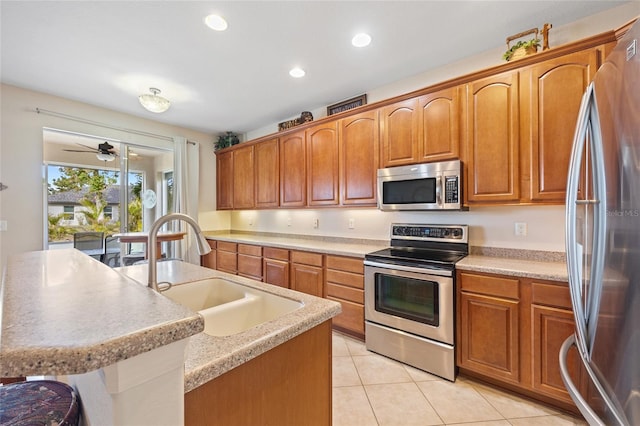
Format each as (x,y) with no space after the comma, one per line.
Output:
(152,248)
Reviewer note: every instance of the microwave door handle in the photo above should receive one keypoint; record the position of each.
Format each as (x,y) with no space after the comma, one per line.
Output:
(439,181)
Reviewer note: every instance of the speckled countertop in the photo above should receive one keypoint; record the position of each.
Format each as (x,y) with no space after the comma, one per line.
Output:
(63,312)
(208,356)
(336,246)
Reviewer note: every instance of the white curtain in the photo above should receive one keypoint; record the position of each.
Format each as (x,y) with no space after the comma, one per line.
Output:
(185,197)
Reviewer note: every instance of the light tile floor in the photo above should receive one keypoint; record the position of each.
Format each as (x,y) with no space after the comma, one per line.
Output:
(370,389)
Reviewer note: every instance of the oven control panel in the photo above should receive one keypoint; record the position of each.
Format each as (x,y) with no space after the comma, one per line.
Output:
(443,233)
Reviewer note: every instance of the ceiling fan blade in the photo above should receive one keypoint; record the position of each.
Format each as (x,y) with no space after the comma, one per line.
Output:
(78,150)
(88,147)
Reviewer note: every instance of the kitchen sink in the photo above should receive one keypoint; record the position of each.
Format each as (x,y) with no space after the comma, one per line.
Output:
(228,307)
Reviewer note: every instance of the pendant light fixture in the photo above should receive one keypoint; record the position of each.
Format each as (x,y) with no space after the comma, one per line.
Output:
(153,102)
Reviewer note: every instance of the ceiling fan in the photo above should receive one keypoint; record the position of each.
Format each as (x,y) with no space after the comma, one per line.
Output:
(104,152)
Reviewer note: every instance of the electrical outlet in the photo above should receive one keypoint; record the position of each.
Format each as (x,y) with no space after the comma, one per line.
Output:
(521,229)
(316,222)
(352,223)
(288,221)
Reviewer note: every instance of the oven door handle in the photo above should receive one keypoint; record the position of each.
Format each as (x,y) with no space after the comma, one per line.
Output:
(420,270)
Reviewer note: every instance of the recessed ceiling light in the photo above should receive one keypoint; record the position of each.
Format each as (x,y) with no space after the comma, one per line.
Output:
(361,40)
(216,22)
(297,72)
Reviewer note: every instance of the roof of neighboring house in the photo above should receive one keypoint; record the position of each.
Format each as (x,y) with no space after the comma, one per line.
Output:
(112,196)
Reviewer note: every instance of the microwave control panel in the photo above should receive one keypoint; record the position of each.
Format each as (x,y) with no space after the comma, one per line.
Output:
(451,195)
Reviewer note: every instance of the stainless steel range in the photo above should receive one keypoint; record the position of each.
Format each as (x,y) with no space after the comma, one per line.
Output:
(410,296)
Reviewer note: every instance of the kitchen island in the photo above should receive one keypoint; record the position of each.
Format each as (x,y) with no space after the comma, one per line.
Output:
(64,313)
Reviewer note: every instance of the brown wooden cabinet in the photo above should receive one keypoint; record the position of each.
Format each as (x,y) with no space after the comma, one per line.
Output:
(267,173)
(493,139)
(307,273)
(227,257)
(209,260)
(439,125)
(224,180)
(344,283)
(243,178)
(322,165)
(489,332)
(399,133)
(293,183)
(551,94)
(275,266)
(510,332)
(359,159)
(250,261)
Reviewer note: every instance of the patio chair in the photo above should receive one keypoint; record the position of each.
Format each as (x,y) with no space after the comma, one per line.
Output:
(111,254)
(91,243)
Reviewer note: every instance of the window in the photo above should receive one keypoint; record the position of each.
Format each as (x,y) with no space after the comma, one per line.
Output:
(68,213)
(167,189)
(108,212)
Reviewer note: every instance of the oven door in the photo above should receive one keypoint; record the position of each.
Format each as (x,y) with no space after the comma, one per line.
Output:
(411,299)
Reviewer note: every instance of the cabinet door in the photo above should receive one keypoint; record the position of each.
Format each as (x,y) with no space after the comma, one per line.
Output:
(489,336)
(322,165)
(439,125)
(493,140)
(399,132)
(554,99)
(359,159)
(209,260)
(276,272)
(267,174)
(227,261)
(293,187)
(307,279)
(224,180)
(243,178)
(550,328)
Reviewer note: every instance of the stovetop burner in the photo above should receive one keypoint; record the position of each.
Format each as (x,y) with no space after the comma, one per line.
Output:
(434,246)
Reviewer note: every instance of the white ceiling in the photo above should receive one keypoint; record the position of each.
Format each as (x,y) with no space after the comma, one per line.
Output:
(106,53)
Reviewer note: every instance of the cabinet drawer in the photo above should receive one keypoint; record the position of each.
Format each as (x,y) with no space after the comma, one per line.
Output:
(226,246)
(489,285)
(551,295)
(250,249)
(250,266)
(348,264)
(351,318)
(275,253)
(212,244)
(345,278)
(226,261)
(346,293)
(306,258)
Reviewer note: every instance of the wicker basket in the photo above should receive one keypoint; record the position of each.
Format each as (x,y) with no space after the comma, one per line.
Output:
(523,51)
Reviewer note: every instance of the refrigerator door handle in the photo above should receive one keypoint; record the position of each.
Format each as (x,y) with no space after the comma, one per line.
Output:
(587,412)
(574,254)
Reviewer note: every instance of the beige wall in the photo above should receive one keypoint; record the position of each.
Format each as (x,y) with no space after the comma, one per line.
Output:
(21,154)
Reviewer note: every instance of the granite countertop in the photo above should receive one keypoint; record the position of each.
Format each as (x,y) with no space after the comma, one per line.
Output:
(335,246)
(63,312)
(209,357)
(552,270)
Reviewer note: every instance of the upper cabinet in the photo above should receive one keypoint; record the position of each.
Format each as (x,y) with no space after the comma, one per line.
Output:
(322,165)
(293,187)
(359,161)
(224,180)
(438,125)
(267,173)
(551,95)
(493,139)
(399,131)
(243,178)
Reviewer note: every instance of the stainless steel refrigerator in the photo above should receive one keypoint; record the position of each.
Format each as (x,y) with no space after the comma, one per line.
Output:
(603,242)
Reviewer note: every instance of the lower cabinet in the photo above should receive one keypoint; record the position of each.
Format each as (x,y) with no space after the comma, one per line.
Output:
(275,266)
(209,260)
(306,272)
(250,261)
(344,283)
(510,331)
(227,257)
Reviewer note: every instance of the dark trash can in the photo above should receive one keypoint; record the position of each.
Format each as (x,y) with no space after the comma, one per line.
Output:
(40,402)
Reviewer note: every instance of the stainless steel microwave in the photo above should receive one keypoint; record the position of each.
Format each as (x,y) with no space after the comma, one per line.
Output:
(428,186)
